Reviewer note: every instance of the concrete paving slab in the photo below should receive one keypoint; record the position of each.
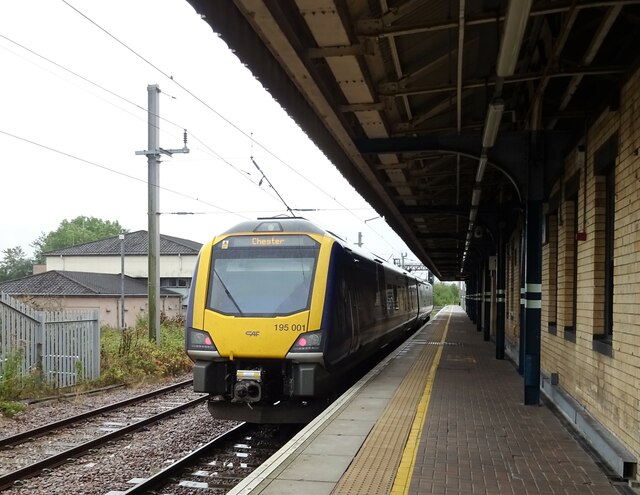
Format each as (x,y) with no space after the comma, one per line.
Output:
(342,426)
(292,487)
(328,444)
(316,467)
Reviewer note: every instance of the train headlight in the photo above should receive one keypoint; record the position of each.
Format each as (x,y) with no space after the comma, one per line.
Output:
(199,340)
(308,342)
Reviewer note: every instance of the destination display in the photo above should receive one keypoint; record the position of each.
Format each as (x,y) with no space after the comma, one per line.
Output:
(267,241)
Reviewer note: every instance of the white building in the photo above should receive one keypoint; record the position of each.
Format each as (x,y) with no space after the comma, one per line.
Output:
(177,259)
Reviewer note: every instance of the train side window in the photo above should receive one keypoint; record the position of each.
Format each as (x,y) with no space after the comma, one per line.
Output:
(381,294)
(391,304)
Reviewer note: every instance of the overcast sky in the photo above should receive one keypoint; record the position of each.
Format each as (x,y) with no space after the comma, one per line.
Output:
(73,103)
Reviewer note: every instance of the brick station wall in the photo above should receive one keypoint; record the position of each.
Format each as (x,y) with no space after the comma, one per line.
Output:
(607,386)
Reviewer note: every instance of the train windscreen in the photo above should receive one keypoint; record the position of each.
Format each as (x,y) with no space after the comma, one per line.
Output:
(262,275)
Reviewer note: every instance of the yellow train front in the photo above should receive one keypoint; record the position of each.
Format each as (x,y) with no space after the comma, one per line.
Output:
(280,309)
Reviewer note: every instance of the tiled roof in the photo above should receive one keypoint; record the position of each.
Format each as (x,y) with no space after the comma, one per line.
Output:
(135,243)
(64,283)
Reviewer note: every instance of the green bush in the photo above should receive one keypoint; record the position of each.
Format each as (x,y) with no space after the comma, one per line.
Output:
(129,356)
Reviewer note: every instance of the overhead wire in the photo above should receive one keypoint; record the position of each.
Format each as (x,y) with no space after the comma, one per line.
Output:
(171,78)
(106,90)
(208,149)
(244,174)
(104,167)
(225,119)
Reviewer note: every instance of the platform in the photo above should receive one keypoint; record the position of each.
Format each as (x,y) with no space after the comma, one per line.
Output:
(440,415)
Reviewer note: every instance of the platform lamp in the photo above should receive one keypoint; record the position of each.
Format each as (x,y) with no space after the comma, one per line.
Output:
(492,124)
(482,166)
(515,23)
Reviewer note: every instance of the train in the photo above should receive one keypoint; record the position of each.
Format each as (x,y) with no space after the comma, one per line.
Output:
(280,310)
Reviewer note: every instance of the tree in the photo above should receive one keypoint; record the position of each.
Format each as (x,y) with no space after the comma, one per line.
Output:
(455,291)
(73,232)
(14,264)
(444,294)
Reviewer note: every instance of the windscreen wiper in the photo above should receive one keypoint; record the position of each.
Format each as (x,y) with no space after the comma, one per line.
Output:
(226,291)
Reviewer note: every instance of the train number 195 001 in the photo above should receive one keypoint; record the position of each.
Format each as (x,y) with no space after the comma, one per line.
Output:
(285,327)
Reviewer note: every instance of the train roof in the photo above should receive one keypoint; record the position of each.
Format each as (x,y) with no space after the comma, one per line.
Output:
(276,224)
(289,225)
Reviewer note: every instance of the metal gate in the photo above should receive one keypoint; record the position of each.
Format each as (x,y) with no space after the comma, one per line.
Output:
(63,345)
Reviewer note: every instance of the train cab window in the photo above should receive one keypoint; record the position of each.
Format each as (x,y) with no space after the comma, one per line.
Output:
(262,275)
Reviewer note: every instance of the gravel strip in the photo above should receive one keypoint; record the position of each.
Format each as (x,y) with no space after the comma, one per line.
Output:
(133,456)
(42,413)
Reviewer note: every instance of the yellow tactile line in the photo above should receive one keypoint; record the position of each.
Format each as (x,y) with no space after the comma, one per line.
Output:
(405,471)
(375,466)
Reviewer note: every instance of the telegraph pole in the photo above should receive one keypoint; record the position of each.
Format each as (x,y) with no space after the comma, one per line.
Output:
(153,159)
(121,237)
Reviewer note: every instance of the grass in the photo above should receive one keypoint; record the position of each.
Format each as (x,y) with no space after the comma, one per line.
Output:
(126,357)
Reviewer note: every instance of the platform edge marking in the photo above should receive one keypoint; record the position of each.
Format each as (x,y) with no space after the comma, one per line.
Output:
(402,481)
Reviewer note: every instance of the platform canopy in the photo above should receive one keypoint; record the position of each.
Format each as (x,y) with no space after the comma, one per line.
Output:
(428,107)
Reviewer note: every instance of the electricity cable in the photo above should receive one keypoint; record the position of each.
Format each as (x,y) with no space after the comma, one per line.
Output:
(225,119)
(104,167)
(116,95)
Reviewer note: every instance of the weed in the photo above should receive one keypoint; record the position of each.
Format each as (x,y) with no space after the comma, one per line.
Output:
(10,379)
(128,356)
(11,408)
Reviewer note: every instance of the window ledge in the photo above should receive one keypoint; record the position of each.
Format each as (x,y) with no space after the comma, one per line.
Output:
(602,345)
(570,334)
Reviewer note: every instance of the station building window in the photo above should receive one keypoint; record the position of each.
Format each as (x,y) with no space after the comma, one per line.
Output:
(568,259)
(550,240)
(181,282)
(604,171)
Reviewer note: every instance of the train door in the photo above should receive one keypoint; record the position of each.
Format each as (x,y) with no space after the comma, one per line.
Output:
(382,293)
(354,318)
(342,331)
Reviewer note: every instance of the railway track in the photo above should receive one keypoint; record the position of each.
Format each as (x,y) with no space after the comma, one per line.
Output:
(28,453)
(116,463)
(221,464)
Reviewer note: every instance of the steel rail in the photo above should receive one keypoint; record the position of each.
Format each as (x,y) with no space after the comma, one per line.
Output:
(42,430)
(55,460)
(161,477)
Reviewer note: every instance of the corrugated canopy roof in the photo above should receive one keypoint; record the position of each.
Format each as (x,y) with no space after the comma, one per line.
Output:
(401,95)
